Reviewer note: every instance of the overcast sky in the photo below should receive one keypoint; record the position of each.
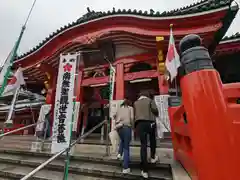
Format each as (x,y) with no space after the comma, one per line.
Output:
(49,15)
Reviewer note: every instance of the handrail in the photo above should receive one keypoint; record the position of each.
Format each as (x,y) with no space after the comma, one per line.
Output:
(21,128)
(61,152)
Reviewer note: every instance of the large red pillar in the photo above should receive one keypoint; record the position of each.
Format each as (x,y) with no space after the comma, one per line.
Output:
(162,84)
(52,84)
(120,82)
(207,114)
(79,94)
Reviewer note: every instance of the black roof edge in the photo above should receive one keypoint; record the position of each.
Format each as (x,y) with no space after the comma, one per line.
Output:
(227,21)
(232,37)
(204,5)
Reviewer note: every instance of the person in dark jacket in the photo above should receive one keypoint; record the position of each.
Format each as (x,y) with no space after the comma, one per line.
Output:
(145,111)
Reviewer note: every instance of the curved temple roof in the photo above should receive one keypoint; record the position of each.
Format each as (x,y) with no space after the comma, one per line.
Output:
(204,5)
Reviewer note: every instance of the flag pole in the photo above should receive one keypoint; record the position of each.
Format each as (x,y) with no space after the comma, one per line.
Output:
(14,52)
(11,111)
(175,79)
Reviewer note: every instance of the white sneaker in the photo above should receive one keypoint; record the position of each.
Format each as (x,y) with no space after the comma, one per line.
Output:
(153,161)
(126,171)
(144,174)
(119,157)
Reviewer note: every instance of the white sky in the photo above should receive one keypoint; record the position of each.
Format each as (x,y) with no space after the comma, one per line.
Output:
(49,15)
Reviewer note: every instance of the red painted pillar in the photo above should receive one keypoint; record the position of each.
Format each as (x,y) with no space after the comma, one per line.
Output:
(120,82)
(162,84)
(50,98)
(79,93)
(207,114)
(51,91)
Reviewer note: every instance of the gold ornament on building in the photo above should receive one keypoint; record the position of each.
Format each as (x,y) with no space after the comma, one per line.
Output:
(46,84)
(161,63)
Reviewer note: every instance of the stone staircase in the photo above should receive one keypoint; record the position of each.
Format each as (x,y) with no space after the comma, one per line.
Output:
(88,162)
(28,141)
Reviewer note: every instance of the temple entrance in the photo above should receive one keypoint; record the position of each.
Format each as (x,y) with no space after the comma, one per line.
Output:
(133,88)
(94,117)
(95,100)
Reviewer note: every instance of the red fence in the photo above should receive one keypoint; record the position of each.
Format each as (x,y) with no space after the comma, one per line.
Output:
(181,139)
(183,150)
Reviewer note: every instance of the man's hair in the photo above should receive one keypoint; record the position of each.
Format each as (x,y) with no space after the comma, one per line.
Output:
(144,93)
(126,102)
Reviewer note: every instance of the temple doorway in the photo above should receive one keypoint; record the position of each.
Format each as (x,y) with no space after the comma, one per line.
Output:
(95,116)
(133,88)
(95,101)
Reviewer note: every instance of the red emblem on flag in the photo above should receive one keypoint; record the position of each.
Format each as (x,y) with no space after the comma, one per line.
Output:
(171,53)
(67,67)
(13,80)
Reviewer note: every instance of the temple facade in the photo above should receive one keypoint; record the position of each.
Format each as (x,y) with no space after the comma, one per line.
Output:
(135,43)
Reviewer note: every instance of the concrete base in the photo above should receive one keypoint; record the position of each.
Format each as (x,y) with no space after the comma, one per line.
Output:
(178,172)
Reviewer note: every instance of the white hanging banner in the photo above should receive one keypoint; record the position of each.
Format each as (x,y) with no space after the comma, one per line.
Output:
(63,109)
(75,120)
(163,123)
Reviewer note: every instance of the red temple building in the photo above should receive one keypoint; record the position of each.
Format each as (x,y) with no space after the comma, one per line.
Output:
(136,43)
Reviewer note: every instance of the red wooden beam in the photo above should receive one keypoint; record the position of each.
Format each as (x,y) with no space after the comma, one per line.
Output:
(231,90)
(127,77)
(140,75)
(94,81)
(136,58)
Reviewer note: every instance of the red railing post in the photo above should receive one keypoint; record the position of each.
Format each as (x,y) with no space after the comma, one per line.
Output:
(174,103)
(181,137)
(207,113)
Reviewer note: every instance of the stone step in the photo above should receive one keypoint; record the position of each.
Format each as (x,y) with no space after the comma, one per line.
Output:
(15,164)
(27,145)
(14,171)
(164,143)
(165,154)
(96,158)
(19,137)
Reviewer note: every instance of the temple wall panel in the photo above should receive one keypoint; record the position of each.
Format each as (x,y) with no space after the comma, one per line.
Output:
(128,50)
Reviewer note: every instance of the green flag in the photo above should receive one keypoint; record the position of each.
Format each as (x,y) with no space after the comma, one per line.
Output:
(6,70)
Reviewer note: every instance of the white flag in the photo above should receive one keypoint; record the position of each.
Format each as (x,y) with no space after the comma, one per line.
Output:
(16,81)
(172,61)
(5,67)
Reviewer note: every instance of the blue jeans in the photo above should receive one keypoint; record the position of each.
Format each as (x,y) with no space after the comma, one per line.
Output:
(120,150)
(125,134)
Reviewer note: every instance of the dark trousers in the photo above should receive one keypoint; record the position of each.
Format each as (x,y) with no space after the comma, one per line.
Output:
(125,134)
(146,128)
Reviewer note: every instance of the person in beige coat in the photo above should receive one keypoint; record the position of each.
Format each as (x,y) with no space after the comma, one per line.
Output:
(124,124)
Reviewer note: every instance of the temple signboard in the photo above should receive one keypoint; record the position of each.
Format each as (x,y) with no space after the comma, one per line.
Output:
(163,122)
(63,110)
